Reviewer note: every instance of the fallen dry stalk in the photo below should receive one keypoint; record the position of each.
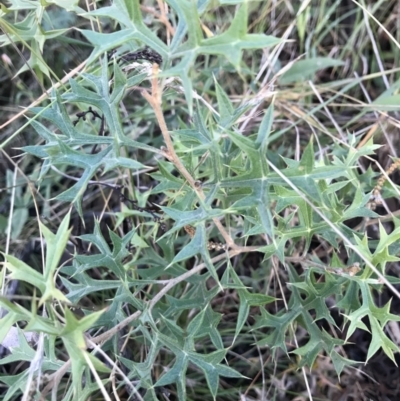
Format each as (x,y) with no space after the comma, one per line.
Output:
(155,102)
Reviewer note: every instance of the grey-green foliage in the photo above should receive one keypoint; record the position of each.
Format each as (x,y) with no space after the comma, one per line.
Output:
(237,176)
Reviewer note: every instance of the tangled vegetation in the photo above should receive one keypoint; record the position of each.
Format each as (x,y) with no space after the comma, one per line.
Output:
(199,192)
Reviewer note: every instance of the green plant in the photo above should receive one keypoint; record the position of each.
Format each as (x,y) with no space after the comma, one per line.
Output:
(175,149)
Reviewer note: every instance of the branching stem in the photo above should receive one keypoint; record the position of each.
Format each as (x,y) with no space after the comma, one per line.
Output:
(155,102)
(172,283)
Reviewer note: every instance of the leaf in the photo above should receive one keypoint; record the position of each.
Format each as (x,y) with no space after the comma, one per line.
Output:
(339,362)
(235,39)
(14,384)
(19,218)
(196,323)
(193,248)
(246,300)
(20,31)
(110,259)
(176,374)
(181,70)
(21,351)
(380,340)
(304,70)
(264,130)
(56,244)
(230,43)
(128,14)
(359,207)
(307,160)
(386,103)
(225,107)
(45,283)
(23,5)
(87,285)
(183,218)
(21,271)
(69,5)
(209,364)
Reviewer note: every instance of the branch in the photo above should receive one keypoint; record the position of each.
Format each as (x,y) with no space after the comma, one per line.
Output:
(171,283)
(155,102)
